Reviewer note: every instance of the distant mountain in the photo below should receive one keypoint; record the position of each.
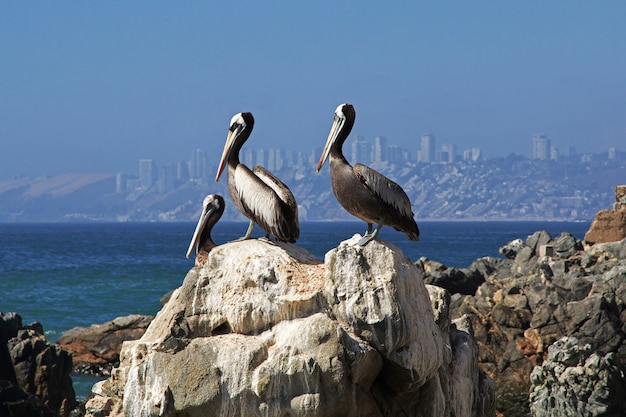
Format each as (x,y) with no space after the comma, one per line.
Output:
(494,189)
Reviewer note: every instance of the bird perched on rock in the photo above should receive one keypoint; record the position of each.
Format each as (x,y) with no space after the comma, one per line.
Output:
(258,194)
(212,210)
(362,191)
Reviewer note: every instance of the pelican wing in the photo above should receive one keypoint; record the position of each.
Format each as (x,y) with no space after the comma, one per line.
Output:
(263,203)
(384,189)
(282,191)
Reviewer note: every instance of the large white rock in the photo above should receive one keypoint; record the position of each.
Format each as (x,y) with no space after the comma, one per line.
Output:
(380,295)
(265,329)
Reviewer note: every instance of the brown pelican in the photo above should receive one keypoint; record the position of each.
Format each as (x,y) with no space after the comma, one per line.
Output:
(363,192)
(258,194)
(212,210)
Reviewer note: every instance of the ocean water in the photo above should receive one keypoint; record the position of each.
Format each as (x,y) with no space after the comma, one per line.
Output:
(77,274)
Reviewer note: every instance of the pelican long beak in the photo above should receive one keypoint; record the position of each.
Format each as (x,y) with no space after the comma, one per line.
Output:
(204,218)
(230,139)
(332,136)
(196,234)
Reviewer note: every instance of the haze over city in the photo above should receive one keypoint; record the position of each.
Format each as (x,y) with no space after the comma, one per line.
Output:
(96,87)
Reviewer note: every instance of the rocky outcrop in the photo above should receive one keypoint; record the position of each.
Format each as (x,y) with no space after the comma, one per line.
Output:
(577,380)
(545,289)
(95,349)
(14,401)
(610,225)
(34,375)
(265,329)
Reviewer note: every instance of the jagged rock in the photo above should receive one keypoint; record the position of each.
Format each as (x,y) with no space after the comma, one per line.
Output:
(15,402)
(577,380)
(607,226)
(511,249)
(382,299)
(95,349)
(610,225)
(265,329)
(10,323)
(566,246)
(30,364)
(537,240)
(527,304)
(620,194)
(461,281)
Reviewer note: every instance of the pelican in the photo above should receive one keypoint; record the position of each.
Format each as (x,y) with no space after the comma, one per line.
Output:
(259,195)
(212,210)
(362,191)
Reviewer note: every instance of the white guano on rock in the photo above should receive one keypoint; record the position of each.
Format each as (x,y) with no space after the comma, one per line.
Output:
(265,329)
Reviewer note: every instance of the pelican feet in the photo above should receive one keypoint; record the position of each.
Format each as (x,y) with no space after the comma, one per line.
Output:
(369,236)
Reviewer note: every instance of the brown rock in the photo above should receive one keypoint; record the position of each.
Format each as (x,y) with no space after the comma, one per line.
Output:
(96,349)
(620,194)
(607,226)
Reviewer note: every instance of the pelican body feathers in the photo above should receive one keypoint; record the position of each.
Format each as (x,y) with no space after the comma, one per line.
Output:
(257,193)
(362,191)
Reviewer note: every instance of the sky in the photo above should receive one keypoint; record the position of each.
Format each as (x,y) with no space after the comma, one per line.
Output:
(95,86)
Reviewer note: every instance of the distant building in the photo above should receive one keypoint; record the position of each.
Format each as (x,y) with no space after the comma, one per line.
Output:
(361,151)
(120,182)
(132,184)
(290,158)
(198,166)
(396,154)
(147,173)
(379,151)
(554,153)
(182,171)
(612,155)
(427,150)
(473,154)
(541,146)
(448,153)
(274,159)
(167,178)
(260,158)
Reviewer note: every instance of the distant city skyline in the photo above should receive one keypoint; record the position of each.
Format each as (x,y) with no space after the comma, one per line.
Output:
(96,87)
(167,176)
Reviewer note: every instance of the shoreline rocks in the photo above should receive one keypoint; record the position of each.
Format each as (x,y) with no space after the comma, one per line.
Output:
(547,288)
(34,375)
(95,349)
(576,379)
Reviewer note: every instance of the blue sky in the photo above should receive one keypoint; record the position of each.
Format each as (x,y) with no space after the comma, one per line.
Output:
(93,87)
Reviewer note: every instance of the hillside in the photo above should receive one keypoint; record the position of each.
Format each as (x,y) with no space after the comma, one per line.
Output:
(495,189)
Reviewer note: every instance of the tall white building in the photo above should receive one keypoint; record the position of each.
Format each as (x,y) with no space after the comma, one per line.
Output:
(361,151)
(147,173)
(198,165)
(182,171)
(379,151)
(427,150)
(541,146)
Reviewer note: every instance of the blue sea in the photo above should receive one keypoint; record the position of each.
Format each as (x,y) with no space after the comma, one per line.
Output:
(65,275)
